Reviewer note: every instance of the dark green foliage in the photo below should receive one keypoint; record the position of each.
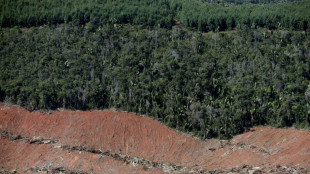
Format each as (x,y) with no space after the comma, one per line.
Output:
(195,14)
(87,54)
(214,84)
(40,12)
(219,17)
(239,2)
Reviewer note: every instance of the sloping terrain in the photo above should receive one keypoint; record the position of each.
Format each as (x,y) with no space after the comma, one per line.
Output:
(120,142)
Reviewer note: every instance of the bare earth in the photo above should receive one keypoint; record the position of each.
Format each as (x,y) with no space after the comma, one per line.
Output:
(120,142)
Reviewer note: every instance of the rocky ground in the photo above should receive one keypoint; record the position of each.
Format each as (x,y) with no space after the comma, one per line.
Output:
(119,142)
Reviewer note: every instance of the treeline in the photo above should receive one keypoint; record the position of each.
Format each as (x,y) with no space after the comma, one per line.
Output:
(212,17)
(239,2)
(39,12)
(213,85)
(199,15)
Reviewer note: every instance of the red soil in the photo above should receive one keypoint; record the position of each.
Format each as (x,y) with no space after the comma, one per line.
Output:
(21,156)
(136,136)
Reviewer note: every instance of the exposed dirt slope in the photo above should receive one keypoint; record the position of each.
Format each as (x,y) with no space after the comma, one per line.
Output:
(120,142)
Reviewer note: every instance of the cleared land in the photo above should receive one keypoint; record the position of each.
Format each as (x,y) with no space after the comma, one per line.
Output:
(120,142)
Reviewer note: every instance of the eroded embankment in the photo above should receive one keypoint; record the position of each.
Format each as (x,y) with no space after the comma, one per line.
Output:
(119,142)
(134,161)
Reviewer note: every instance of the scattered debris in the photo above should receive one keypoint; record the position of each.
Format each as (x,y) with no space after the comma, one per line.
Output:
(212,149)
(53,170)
(3,171)
(41,140)
(34,140)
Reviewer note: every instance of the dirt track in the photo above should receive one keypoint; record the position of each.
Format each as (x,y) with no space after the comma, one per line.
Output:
(119,142)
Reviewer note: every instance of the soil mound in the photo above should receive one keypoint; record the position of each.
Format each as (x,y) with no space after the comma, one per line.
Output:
(120,142)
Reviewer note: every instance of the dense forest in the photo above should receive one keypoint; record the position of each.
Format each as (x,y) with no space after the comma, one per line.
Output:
(135,56)
(195,14)
(239,2)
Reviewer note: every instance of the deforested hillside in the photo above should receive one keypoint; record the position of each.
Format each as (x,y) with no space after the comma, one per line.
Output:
(222,71)
(118,142)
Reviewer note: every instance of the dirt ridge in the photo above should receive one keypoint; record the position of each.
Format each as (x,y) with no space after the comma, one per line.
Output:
(125,158)
(134,160)
(121,142)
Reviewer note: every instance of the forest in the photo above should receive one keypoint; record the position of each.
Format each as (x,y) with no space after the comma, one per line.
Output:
(240,2)
(204,68)
(198,15)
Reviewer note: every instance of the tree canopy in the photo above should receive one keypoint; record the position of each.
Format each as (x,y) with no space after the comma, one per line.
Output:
(213,84)
(212,68)
(199,15)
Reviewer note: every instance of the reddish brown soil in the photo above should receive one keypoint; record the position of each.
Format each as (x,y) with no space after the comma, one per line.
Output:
(127,134)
